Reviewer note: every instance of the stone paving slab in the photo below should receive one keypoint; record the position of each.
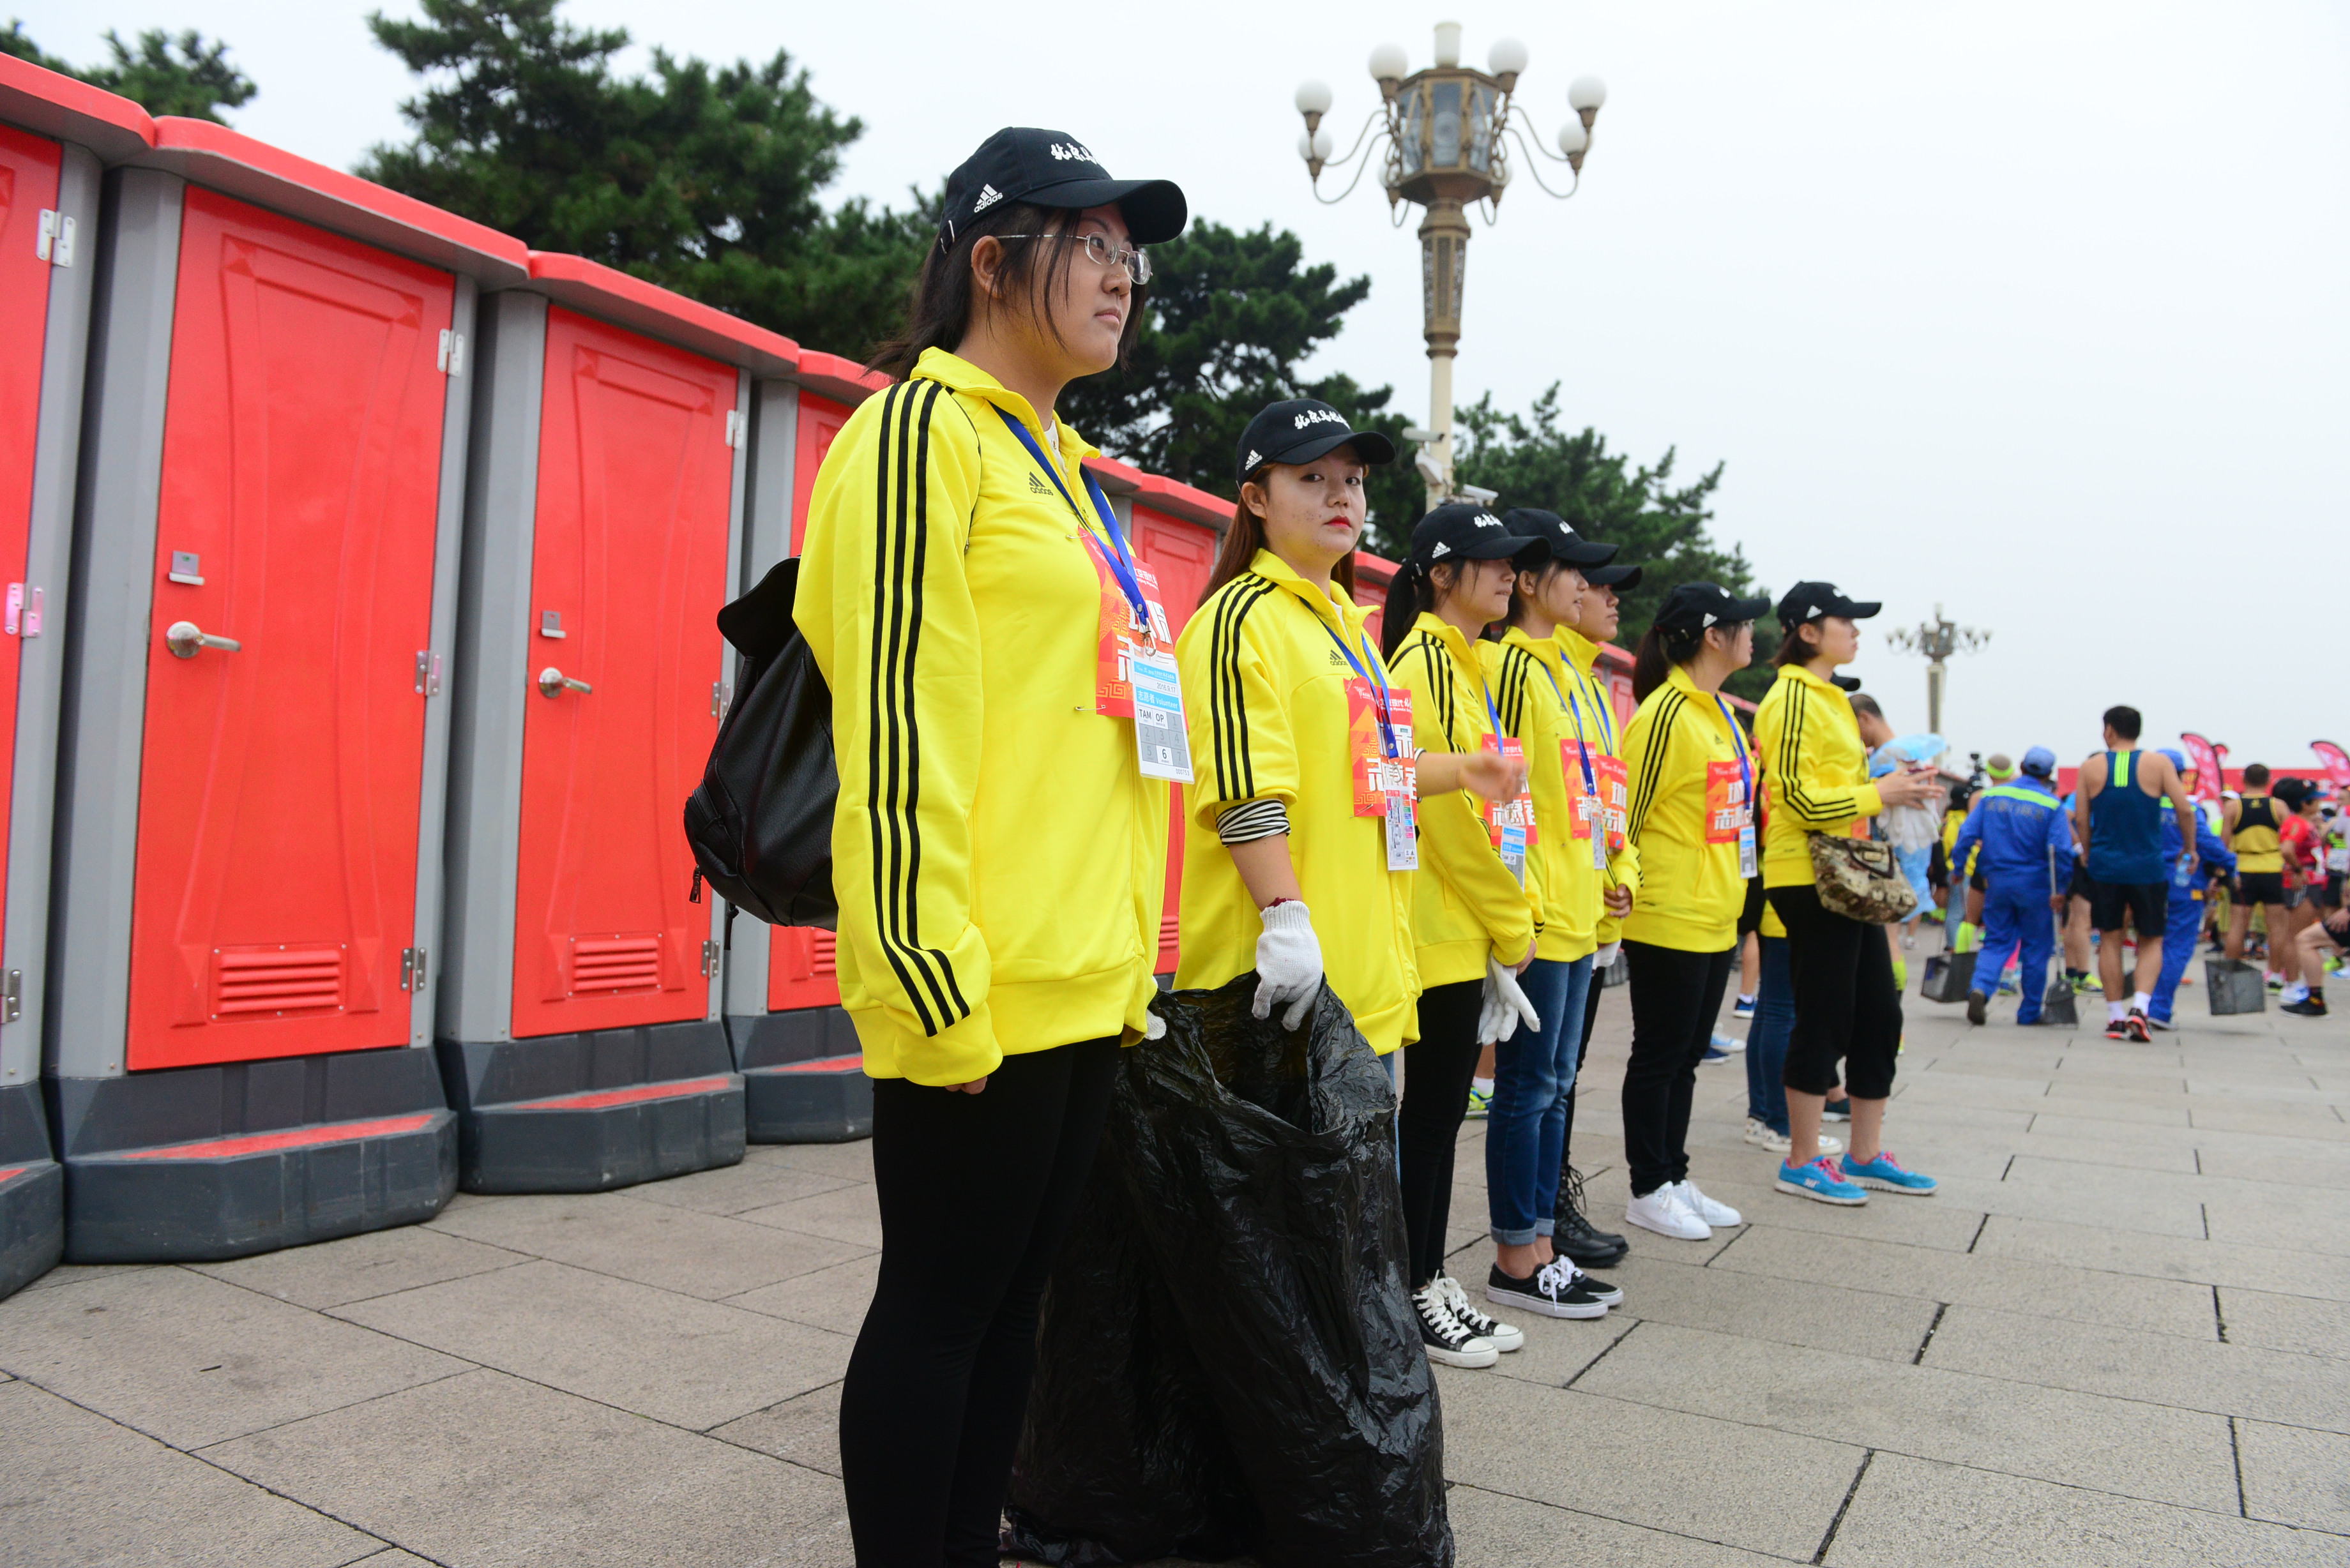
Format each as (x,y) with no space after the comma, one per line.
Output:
(2120,1335)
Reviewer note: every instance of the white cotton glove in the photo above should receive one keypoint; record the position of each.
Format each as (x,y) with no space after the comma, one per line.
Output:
(1288,963)
(1604,957)
(1505,1006)
(1154,1027)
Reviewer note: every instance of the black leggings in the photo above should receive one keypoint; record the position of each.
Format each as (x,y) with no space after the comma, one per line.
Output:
(976,1192)
(1676,996)
(1847,1004)
(1437,1072)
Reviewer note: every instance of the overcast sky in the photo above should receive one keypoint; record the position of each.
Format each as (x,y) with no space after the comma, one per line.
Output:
(2037,309)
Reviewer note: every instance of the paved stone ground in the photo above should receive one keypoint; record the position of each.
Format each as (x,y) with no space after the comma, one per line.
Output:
(2120,1335)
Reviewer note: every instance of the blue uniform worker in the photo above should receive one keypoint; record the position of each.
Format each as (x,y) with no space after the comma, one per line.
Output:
(2184,928)
(2021,825)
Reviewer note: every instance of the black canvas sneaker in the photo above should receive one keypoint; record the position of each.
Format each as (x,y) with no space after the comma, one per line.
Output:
(1558,1289)
(1445,1338)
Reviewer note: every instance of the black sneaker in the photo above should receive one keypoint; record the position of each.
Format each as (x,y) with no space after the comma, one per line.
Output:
(2134,1027)
(1978,1008)
(1836,1111)
(1445,1338)
(1558,1289)
(2307,1007)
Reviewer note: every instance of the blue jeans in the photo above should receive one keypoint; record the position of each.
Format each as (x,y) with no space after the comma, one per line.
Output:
(1766,1040)
(1525,1124)
(2016,916)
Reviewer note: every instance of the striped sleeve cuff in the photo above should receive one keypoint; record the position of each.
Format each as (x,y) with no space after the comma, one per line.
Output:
(1251,820)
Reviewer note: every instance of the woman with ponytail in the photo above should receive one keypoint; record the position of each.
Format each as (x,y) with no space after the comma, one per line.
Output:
(1691,816)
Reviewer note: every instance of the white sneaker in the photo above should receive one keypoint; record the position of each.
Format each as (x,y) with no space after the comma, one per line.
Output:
(1444,1337)
(1759,1135)
(1506,1336)
(1705,1207)
(1664,1212)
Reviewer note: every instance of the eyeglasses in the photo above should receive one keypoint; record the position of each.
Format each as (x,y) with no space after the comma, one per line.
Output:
(1102,253)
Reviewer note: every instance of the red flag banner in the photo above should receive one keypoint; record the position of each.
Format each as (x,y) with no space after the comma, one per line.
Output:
(2336,761)
(2204,758)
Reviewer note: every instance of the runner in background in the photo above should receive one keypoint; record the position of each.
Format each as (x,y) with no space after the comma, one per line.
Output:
(2120,791)
(2190,880)
(2252,824)
(2302,841)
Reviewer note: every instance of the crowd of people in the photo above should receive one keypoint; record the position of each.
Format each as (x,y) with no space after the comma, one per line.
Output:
(1443,826)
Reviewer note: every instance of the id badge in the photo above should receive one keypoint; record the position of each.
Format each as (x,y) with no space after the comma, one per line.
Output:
(1502,816)
(1367,749)
(1614,799)
(1746,864)
(1512,847)
(1583,807)
(1118,633)
(1162,742)
(1403,817)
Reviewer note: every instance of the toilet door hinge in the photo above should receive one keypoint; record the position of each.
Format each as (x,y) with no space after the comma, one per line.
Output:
(54,242)
(709,958)
(734,423)
(411,969)
(453,352)
(12,996)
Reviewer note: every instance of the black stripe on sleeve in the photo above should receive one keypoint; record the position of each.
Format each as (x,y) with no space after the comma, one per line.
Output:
(1227,695)
(1652,766)
(894,746)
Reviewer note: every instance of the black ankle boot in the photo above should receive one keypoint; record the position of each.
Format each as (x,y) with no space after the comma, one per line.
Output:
(1575,1238)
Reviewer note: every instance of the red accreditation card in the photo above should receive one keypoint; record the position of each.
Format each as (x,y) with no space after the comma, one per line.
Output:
(1615,797)
(1725,802)
(1518,813)
(1366,751)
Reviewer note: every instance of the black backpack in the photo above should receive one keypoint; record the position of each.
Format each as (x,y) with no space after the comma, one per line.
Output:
(761,822)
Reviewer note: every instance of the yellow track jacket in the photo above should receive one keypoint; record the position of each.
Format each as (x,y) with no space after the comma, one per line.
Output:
(999,859)
(1690,892)
(1818,772)
(1529,691)
(1467,907)
(1581,658)
(1264,690)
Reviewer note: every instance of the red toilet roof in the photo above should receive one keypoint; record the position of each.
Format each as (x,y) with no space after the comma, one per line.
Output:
(51,105)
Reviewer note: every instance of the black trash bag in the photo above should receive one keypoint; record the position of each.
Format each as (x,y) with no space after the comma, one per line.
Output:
(1255,1170)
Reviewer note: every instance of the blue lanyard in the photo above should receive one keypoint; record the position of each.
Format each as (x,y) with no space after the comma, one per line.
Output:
(1738,744)
(1122,565)
(1582,746)
(1380,681)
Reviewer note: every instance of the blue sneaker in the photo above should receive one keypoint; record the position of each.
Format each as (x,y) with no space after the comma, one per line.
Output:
(1885,1174)
(1818,1180)
(1712,1053)
(1730,1043)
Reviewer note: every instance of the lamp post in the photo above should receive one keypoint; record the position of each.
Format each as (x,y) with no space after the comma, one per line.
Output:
(1444,132)
(1936,639)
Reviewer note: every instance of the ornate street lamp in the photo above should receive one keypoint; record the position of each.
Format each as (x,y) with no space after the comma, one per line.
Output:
(1936,639)
(1444,132)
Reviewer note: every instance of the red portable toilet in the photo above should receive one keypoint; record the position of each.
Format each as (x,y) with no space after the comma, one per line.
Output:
(254,737)
(581,1042)
(56,135)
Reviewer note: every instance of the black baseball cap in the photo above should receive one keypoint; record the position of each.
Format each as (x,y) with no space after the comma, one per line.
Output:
(1615,574)
(1049,169)
(1809,602)
(1566,546)
(1693,607)
(1464,531)
(1299,430)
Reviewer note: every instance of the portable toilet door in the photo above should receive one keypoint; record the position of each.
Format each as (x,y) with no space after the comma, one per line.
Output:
(254,737)
(56,135)
(580,1038)
(803,1071)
